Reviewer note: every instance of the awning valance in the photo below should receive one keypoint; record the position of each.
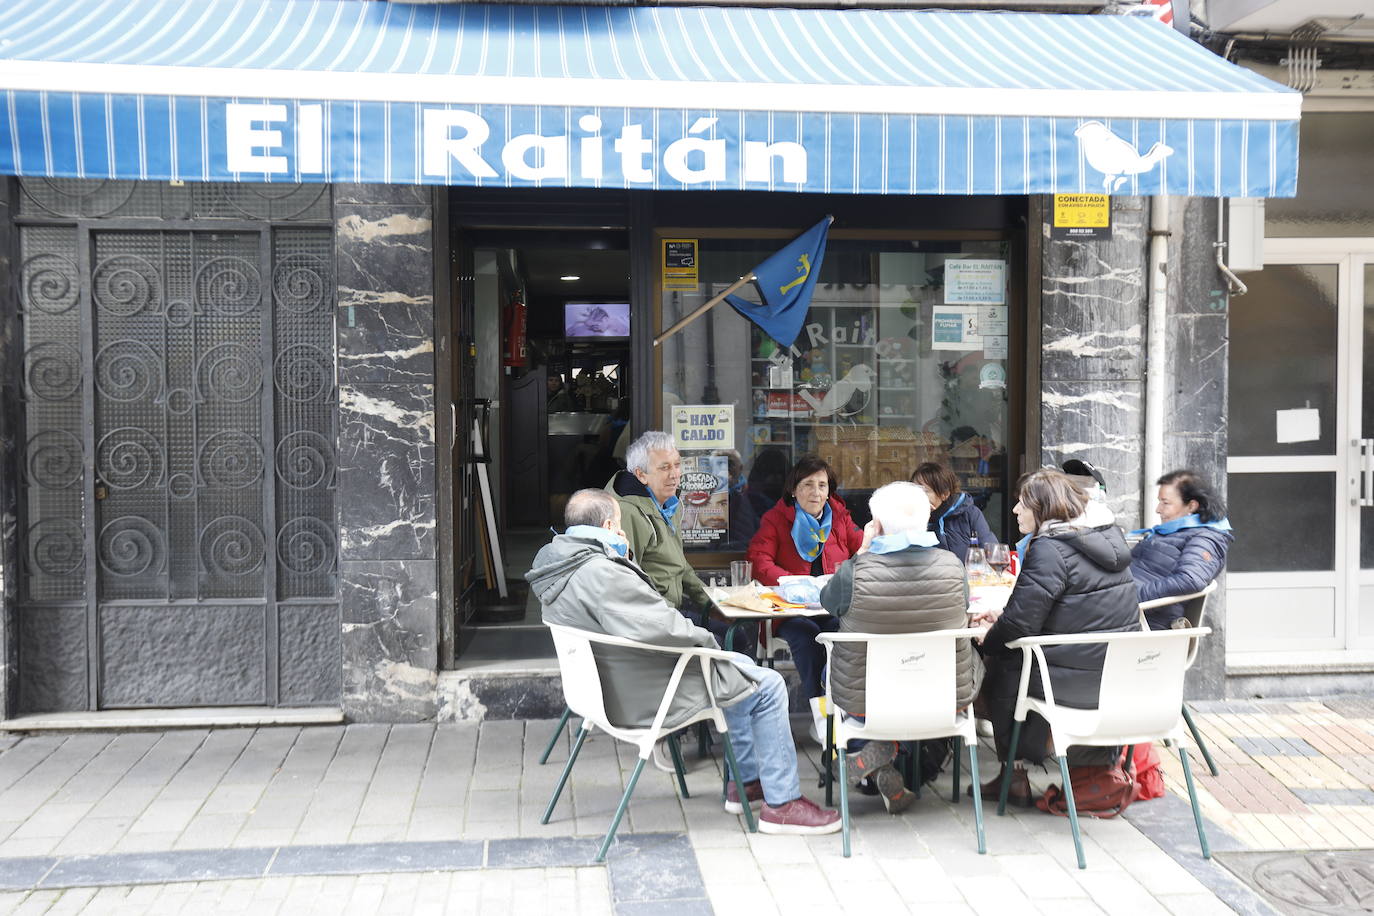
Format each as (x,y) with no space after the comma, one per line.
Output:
(838,101)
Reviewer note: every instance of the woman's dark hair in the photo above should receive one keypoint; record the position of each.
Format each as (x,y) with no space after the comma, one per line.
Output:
(806,466)
(937,478)
(1051,496)
(1192,487)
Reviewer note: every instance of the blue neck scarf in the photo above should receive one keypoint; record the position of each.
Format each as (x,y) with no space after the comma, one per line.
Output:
(668,509)
(891,543)
(1178,524)
(810,535)
(1022,545)
(609,538)
(940,522)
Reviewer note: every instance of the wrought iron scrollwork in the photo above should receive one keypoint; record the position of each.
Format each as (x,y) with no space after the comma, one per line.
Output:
(305,461)
(229,286)
(231,545)
(77,196)
(304,373)
(49,284)
(131,546)
(231,459)
(57,547)
(128,370)
(54,459)
(305,546)
(230,372)
(54,371)
(129,458)
(299,282)
(125,285)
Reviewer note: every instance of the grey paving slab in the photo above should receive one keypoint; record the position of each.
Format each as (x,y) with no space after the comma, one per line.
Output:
(698,906)
(538,852)
(377,857)
(645,867)
(24,873)
(1335,797)
(157,867)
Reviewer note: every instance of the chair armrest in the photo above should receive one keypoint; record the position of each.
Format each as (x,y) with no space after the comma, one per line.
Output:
(646,646)
(1068,639)
(962,633)
(1177,599)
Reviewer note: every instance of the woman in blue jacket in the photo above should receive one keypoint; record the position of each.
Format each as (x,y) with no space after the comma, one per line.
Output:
(1186,550)
(954,519)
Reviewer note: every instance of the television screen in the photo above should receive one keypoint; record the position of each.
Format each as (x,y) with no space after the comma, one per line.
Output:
(596,319)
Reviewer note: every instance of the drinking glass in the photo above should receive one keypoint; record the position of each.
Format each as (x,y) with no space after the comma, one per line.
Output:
(999,558)
(741,572)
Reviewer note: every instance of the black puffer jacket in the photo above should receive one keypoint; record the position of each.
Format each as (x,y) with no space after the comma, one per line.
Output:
(1179,563)
(1073,580)
(956,522)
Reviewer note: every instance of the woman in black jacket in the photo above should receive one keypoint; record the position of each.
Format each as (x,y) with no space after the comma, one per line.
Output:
(954,519)
(1075,578)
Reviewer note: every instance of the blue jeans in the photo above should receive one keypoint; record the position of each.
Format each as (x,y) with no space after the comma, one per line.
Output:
(761,735)
(807,654)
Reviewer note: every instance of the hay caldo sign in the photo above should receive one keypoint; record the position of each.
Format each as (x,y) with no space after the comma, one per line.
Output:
(703,432)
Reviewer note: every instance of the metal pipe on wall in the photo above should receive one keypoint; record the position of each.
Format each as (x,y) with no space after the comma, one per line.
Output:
(1156,394)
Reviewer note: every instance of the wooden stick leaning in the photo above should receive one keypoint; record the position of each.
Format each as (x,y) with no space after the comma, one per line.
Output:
(712,303)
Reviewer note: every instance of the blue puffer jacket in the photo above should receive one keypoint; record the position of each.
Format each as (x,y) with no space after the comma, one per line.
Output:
(1180,563)
(955,525)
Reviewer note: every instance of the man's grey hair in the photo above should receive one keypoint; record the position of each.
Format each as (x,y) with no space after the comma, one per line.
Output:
(589,507)
(900,507)
(637,455)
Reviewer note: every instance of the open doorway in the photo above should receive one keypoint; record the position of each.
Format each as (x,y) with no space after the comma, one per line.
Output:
(552,333)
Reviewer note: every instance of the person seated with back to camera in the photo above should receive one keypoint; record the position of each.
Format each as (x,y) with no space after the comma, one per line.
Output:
(808,532)
(1075,578)
(584,579)
(899,581)
(1185,551)
(954,518)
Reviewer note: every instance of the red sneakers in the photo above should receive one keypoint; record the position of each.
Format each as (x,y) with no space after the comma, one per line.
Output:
(752,791)
(801,816)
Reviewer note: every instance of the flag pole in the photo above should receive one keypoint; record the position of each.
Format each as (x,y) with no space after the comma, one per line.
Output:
(712,303)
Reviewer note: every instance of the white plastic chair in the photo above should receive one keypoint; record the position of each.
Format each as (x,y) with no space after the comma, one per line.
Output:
(1194,607)
(910,694)
(582,691)
(1140,699)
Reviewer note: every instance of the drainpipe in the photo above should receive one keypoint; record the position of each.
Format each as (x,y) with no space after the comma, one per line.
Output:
(1156,347)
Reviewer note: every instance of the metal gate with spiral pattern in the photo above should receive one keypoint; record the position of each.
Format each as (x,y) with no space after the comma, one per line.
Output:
(179,526)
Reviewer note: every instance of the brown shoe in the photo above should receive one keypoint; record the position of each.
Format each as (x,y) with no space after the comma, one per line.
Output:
(752,791)
(799,817)
(1019,794)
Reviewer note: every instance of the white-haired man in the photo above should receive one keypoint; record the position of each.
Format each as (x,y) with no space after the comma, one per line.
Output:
(899,581)
(583,579)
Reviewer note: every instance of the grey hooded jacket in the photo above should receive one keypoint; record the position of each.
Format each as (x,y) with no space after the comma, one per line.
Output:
(582,583)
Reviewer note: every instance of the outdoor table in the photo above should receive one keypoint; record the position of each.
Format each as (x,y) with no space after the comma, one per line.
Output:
(740,617)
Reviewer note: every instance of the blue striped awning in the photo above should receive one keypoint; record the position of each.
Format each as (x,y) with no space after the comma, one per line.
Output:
(837,101)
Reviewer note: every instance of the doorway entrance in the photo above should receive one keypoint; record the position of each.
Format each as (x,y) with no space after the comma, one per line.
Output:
(1301,465)
(551,326)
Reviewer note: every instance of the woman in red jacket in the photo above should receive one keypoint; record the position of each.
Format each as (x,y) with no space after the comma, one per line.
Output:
(807,533)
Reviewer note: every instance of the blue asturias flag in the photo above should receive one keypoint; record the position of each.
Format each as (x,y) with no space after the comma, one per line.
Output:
(785,282)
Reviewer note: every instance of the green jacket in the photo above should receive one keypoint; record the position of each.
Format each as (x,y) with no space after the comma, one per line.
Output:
(655,545)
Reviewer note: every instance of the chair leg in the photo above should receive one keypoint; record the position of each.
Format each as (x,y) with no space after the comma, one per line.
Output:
(910,770)
(620,810)
(1192,797)
(916,755)
(1006,770)
(557,733)
(678,765)
(844,801)
(1197,739)
(1073,811)
(733,770)
(703,740)
(828,760)
(958,752)
(567,771)
(977,795)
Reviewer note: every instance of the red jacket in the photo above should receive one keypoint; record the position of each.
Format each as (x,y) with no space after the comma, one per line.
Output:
(773,553)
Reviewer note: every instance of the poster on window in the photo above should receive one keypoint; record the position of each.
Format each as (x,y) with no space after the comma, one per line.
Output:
(705,496)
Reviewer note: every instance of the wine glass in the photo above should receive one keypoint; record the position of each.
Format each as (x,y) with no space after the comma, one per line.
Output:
(999,558)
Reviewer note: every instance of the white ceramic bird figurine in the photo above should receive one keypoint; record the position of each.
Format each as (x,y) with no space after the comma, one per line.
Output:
(1114,157)
(858,380)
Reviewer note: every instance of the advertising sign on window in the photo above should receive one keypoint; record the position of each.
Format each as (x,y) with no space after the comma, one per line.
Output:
(705,500)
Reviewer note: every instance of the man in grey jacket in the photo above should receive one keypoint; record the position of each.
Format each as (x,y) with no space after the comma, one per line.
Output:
(584,580)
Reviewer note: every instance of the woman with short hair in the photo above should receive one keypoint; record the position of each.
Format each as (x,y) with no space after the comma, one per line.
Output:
(1186,550)
(954,519)
(809,532)
(1075,578)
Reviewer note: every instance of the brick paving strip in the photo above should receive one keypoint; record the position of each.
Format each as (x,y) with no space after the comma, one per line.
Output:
(644,869)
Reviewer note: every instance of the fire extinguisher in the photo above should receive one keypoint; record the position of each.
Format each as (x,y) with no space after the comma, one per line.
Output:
(513,344)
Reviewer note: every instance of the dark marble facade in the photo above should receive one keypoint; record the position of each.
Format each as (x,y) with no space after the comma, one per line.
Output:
(9,424)
(384,257)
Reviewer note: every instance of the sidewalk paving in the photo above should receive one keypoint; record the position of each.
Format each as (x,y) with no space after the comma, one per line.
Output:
(425,818)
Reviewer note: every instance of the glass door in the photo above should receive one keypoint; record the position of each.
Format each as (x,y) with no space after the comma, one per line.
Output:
(1361,635)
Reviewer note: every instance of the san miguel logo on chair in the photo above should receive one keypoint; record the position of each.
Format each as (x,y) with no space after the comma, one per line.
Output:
(1115,157)
(910,661)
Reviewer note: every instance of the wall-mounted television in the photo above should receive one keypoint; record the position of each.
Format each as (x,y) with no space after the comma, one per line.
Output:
(596,319)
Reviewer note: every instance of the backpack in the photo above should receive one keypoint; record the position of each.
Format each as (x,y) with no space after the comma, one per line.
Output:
(935,753)
(1098,791)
